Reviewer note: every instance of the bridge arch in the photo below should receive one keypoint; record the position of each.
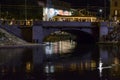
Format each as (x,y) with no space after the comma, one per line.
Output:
(82,36)
(85,35)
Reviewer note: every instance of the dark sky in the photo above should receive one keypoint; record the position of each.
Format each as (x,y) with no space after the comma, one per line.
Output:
(82,3)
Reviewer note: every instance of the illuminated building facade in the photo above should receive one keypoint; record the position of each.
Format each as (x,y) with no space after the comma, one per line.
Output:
(52,8)
(115,10)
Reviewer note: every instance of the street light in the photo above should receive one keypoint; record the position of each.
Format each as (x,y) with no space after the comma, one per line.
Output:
(100,12)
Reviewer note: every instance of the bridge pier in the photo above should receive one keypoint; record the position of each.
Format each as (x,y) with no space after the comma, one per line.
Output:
(38,34)
(103,31)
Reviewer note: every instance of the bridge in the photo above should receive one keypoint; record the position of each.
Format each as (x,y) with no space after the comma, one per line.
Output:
(89,31)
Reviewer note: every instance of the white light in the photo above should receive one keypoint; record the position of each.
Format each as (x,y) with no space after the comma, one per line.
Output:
(52,69)
(100,67)
(47,69)
(100,10)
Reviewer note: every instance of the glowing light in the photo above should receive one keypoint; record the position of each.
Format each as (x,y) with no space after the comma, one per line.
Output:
(28,66)
(49,69)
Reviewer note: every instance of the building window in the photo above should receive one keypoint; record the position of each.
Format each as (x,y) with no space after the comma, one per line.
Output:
(115,3)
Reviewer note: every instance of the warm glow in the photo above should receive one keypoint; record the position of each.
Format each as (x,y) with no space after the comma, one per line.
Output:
(93,64)
(116,61)
(75,18)
(28,66)
(73,66)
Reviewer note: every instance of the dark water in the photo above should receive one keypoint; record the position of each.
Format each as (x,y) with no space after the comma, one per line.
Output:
(63,60)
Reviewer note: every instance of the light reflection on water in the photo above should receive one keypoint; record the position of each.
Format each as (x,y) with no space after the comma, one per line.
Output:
(60,47)
(52,62)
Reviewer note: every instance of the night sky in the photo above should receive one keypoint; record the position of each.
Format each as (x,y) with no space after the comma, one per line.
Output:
(74,3)
(84,3)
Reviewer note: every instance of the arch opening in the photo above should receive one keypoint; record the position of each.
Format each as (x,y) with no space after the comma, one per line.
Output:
(82,37)
(59,36)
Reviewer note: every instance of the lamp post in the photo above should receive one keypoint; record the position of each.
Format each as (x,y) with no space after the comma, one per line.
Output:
(100,12)
(0,10)
(105,9)
(25,10)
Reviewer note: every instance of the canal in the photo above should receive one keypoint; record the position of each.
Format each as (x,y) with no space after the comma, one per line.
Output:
(62,60)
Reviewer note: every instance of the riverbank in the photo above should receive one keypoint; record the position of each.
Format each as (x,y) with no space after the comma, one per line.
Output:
(10,40)
(21,45)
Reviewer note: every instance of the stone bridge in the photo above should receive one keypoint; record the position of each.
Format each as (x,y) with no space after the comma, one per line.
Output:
(87,32)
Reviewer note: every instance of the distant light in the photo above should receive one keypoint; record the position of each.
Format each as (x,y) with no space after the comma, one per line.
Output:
(100,10)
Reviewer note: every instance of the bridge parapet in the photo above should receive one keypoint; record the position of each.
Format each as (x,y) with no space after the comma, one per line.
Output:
(109,24)
(65,24)
(104,24)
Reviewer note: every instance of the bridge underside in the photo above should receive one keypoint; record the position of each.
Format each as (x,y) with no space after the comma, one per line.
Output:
(83,34)
(82,37)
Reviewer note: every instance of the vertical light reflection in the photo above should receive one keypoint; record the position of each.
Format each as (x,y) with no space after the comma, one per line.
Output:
(116,63)
(65,46)
(14,70)
(59,68)
(86,65)
(73,66)
(48,49)
(82,66)
(3,70)
(52,69)
(60,47)
(49,69)
(46,69)
(93,64)
(100,67)
(116,67)
(28,67)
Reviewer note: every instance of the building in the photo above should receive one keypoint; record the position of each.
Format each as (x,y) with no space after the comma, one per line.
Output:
(20,9)
(52,8)
(115,10)
(33,9)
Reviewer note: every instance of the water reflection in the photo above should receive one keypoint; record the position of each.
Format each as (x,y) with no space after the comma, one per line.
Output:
(103,63)
(69,66)
(111,61)
(16,63)
(55,62)
(60,47)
